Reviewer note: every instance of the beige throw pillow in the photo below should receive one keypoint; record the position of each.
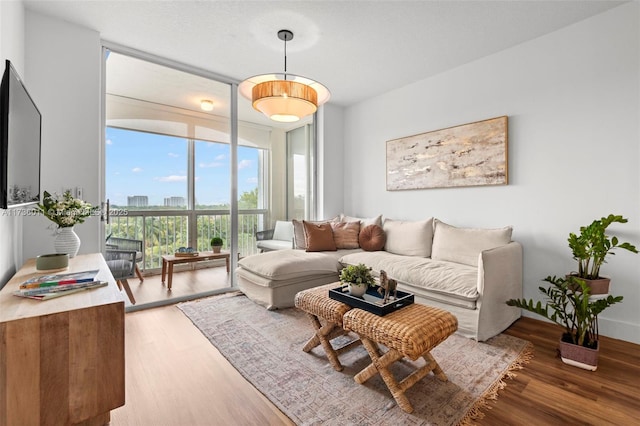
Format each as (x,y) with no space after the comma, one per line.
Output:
(299,241)
(377,220)
(319,236)
(463,245)
(345,234)
(409,238)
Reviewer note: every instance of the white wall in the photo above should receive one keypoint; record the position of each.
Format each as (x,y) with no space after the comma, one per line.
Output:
(12,48)
(63,67)
(572,98)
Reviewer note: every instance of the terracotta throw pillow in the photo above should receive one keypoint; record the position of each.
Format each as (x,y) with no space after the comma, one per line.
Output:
(318,236)
(299,238)
(372,238)
(345,234)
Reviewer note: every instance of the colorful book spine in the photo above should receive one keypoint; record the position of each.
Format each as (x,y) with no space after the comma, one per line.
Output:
(55,283)
(55,289)
(47,296)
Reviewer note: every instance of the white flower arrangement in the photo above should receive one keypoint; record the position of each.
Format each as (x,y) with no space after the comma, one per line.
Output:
(65,211)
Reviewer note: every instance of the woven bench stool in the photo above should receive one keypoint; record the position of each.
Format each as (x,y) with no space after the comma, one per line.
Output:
(412,331)
(318,306)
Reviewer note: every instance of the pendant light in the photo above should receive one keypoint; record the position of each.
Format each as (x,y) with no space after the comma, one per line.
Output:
(284,97)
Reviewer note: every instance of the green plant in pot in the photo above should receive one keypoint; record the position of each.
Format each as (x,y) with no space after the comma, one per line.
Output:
(216,244)
(590,249)
(577,312)
(357,277)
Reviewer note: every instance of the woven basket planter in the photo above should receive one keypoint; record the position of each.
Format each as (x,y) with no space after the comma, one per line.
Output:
(579,356)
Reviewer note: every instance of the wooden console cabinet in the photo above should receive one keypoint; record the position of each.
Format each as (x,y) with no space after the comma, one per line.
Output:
(62,360)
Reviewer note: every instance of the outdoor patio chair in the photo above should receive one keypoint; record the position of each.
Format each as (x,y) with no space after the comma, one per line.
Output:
(279,238)
(128,244)
(122,265)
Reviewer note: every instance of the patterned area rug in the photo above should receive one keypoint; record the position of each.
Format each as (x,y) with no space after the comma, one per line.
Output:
(266,348)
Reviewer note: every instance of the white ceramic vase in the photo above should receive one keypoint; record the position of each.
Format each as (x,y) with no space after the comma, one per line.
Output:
(357,290)
(67,241)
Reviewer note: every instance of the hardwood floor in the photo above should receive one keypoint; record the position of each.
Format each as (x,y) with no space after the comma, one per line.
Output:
(187,283)
(176,377)
(549,392)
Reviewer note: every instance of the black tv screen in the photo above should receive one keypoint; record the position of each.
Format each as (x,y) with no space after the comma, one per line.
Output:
(20,130)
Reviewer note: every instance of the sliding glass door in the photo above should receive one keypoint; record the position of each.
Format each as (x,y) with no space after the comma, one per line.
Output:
(186,159)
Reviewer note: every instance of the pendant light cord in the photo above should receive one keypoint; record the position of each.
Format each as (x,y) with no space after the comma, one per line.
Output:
(285,57)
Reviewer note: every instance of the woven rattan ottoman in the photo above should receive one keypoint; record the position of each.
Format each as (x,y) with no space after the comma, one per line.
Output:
(321,309)
(412,331)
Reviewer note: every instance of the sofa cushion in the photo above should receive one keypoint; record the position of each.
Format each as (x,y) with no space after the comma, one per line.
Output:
(464,245)
(291,264)
(345,234)
(445,280)
(299,238)
(409,238)
(372,238)
(319,236)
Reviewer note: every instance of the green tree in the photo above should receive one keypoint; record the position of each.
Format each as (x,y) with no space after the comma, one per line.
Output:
(248,200)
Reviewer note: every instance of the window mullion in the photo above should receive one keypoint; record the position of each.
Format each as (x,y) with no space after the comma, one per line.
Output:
(191,191)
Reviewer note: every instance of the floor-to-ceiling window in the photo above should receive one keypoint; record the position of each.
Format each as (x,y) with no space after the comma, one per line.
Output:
(172,168)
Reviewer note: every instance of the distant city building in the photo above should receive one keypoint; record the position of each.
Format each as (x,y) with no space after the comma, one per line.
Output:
(175,202)
(138,201)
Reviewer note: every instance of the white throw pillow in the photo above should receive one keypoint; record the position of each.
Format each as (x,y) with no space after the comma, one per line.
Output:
(409,238)
(463,245)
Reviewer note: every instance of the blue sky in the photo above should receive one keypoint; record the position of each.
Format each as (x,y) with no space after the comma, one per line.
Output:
(140,163)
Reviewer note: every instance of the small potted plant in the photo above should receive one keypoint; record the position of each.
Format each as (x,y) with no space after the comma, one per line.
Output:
(591,247)
(216,244)
(576,312)
(357,277)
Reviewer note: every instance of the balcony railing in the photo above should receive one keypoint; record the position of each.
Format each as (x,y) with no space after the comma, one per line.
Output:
(164,232)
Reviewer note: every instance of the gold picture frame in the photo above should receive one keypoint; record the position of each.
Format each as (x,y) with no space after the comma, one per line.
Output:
(473,154)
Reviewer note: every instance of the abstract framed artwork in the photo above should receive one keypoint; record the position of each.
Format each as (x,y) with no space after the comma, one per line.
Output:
(472,154)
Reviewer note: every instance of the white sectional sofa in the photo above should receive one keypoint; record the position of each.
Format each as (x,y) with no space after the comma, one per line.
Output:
(468,272)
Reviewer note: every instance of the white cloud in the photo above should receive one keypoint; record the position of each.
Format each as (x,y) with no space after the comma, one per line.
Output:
(136,169)
(220,157)
(210,165)
(243,164)
(171,178)
(108,142)
(174,155)
(252,180)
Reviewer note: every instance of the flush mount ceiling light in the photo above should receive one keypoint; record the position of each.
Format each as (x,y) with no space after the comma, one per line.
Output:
(206,105)
(281,96)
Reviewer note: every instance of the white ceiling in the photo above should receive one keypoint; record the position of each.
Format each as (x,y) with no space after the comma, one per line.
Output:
(358,49)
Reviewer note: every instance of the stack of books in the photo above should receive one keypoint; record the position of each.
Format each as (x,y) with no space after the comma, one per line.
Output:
(51,286)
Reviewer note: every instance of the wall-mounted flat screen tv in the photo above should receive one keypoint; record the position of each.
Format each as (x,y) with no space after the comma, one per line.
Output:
(20,131)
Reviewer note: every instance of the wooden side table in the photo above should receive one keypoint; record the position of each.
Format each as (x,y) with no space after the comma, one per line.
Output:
(412,331)
(318,306)
(168,260)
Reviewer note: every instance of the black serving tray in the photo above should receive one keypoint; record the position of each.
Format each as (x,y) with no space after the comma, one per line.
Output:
(371,301)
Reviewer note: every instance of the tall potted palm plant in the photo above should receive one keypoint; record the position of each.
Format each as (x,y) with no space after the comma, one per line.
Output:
(591,247)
